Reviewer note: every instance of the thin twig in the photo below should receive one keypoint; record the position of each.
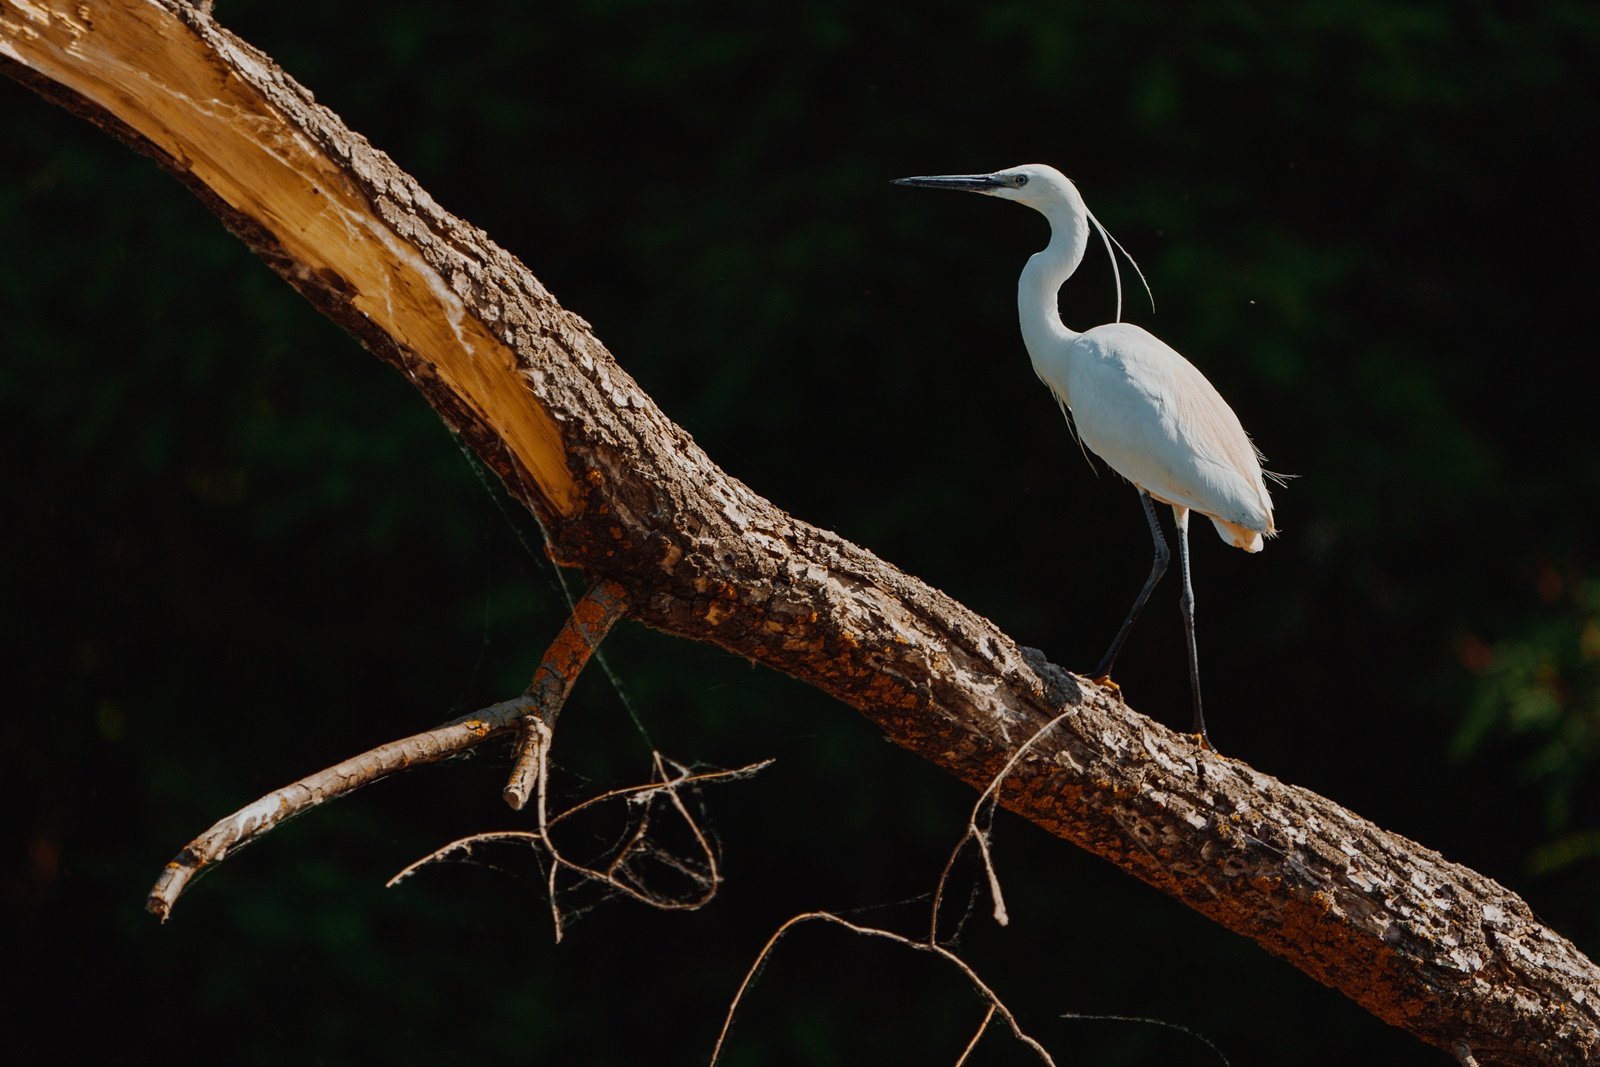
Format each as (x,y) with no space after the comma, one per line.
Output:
(983,810)
(871,931)
(1197,1035)
(614,874)
(979,827)
(983,1028)
(641,792)
(991,797)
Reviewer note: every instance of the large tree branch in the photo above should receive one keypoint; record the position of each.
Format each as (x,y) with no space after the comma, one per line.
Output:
(1423,943)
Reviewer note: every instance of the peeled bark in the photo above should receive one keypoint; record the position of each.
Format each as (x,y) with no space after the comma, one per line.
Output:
(626,495)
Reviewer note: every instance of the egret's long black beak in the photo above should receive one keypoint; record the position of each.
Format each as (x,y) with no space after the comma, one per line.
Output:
(970,183)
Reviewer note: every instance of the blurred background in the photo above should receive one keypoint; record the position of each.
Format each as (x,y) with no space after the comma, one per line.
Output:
(238,548)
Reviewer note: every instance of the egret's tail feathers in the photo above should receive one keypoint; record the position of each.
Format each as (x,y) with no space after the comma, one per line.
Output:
(1241,537)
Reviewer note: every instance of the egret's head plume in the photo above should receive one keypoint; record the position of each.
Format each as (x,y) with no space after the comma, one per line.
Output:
(1047,191)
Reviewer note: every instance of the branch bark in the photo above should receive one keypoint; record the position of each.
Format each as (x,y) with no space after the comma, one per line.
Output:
(626,495)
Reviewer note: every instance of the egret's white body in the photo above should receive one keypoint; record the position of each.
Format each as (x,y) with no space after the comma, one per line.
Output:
(1137,404)
(1156,421)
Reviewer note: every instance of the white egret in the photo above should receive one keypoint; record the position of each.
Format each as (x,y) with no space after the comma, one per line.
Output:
(1137,404)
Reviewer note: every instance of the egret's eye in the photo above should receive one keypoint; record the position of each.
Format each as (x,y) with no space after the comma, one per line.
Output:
(1020,180)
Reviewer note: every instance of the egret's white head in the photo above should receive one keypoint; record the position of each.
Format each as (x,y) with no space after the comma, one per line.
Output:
(1039,186)
(1051,193)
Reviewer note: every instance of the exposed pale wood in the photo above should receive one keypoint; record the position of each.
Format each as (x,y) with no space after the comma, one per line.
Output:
(156,76)
(1423,943)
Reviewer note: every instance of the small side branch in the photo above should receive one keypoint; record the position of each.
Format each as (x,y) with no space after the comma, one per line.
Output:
(592,618)
(277,807)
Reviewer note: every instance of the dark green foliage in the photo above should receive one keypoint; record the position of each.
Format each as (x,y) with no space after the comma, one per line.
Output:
(238,548)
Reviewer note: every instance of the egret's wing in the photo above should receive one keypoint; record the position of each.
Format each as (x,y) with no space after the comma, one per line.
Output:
(1155,420)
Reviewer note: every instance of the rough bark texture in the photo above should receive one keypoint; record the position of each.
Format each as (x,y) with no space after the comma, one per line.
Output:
(1423,943)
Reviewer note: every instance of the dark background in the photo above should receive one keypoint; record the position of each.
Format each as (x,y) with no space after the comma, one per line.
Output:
(237,548)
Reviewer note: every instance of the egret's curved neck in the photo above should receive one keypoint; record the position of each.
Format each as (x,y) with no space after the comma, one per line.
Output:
(1042,329)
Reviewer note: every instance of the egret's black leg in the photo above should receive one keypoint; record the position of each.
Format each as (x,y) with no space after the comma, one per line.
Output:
(1157,568)
(1186,606)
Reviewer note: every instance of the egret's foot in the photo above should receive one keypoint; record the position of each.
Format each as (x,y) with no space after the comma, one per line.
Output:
(1105,680)
(1204,739)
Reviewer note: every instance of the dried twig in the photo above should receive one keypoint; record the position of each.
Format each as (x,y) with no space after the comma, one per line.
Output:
(704,871)
(979,826)
(984,809)
(983,1028)
(1148,1021)
(995,1004)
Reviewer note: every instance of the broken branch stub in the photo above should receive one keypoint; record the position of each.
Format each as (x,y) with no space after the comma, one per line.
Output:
(591,620)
